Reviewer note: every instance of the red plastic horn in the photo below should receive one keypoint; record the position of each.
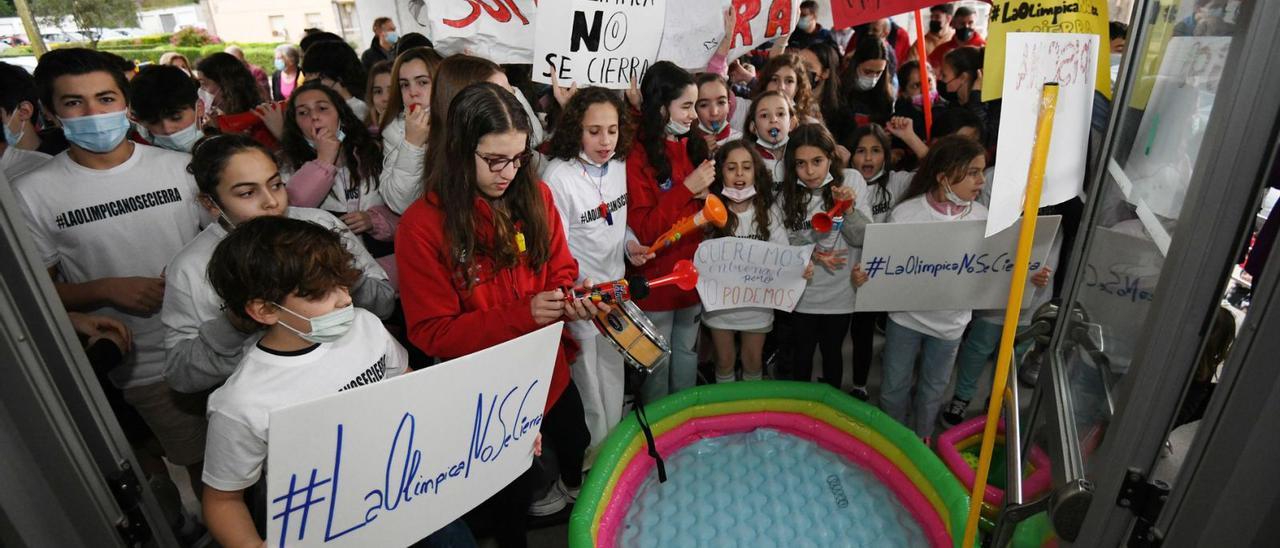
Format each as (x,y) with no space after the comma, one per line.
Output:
(824,220)
(684,275)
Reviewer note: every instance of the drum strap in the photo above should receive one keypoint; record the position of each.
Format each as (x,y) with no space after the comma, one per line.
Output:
(643,419)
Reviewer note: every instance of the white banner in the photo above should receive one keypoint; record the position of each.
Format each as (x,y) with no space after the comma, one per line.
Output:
(498,30)
(1033,59)
(694,28)
(945,265)
(746,273)
(597,43)
(389,463)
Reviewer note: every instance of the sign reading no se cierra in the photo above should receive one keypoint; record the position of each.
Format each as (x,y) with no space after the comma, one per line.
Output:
(945,265)
(746,273)
(389,463)
(603,43)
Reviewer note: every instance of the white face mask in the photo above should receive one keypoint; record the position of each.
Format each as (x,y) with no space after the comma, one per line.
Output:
(773,142)
(714,129)
(738,195)
(206,98)
(825,181)
(865,83)
(582,155)
(955,198)
(677,129)
(877,175)
(1115,59)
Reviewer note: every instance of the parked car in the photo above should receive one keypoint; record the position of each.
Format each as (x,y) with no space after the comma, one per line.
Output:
(63,37)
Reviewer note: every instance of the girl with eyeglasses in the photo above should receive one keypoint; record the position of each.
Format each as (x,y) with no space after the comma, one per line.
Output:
(482,257)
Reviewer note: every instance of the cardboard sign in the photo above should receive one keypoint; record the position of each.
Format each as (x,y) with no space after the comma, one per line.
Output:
(848,13)
(945,265)
(498,30)
(596,43)
(694,28)
(1120,276)
(1168,139)
(1020,16)
(389,463)
(1035,59)
(746,273)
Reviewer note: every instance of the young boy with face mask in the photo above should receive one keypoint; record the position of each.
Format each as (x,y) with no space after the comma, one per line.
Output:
(166,107)
(107,215)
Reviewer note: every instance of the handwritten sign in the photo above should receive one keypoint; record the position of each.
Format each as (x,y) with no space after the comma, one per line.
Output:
(597,43)
(499,30)
(389,463)
(1172,128)
(746,273)
(1036,59)
(848,13)
(945,265)
(1120,276)
(694,28)
(1020,16)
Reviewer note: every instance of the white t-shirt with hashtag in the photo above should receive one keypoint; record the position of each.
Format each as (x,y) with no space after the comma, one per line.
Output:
(236,443)
(126,221)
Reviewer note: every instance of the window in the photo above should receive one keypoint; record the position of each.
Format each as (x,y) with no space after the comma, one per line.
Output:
(313,21)
(278,28)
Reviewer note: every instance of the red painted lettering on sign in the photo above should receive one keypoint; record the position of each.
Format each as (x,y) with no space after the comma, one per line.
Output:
(501,11)
(746,10)
(779,19)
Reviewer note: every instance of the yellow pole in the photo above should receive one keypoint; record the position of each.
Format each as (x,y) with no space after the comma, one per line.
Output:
(1026,236)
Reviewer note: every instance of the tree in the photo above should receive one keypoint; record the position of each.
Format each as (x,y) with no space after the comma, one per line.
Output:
(7,9)
(89,16)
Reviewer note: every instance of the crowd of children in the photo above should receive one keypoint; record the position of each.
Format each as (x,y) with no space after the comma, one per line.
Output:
(253,245)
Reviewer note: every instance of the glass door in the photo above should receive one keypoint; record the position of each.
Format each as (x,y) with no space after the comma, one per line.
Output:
(1176,189)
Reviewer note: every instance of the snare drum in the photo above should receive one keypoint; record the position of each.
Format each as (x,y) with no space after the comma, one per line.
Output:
(631,332)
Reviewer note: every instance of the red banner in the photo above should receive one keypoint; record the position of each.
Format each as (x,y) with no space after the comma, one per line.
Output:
(848,13)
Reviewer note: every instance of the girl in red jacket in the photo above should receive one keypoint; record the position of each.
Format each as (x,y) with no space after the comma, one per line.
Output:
(482,257)
(663,187)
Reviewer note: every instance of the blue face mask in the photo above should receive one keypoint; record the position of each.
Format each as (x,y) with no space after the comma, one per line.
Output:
(392,37)
(98,133)
(181,140)
(11,136)
(342,135)
(279,65)
(325,328)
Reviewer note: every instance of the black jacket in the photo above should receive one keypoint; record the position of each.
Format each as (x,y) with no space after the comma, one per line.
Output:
(375,53)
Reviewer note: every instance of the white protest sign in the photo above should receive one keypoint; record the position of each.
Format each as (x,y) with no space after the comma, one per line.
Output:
(1120,276)
(746,273)
(1168,139)
(596,43)
(498,30)
(694,28)
(1032,60)
(389,463)
(945,265)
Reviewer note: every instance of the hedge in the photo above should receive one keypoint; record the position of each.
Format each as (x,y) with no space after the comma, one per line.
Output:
(259,54)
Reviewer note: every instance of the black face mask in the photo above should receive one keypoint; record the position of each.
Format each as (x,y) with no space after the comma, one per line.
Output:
(947,95)
(935,27)
(964,34)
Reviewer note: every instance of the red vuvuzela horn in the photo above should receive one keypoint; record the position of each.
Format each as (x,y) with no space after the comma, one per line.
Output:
(684,275)
(712,212)
(824,220)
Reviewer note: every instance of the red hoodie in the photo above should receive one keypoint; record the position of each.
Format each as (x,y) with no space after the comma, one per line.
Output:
(652,210)
(447,321)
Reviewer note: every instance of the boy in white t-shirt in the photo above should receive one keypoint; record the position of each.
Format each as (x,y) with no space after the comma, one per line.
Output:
(238,181)
(291,276)
(107,215)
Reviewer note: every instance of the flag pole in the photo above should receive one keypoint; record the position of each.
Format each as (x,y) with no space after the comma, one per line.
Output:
(924,75)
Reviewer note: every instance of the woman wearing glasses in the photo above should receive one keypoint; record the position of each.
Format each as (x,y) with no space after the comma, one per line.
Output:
(482,258)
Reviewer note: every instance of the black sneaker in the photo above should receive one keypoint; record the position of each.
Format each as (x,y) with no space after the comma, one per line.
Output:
(859,392)
(953,413)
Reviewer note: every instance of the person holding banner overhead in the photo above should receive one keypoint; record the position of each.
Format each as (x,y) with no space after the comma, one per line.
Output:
(745,185)
(944,189)
(587,176)
(482,257)
(662,188)
(817,184)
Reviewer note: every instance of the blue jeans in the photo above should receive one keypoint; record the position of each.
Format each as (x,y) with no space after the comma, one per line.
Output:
(981,344)
(454,535)
(680,328)
(901,344)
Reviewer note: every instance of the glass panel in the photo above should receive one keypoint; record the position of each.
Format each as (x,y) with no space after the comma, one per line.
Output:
(1156,144)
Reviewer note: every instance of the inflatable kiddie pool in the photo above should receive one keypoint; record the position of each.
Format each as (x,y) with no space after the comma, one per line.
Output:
(959,446)
(768,463)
